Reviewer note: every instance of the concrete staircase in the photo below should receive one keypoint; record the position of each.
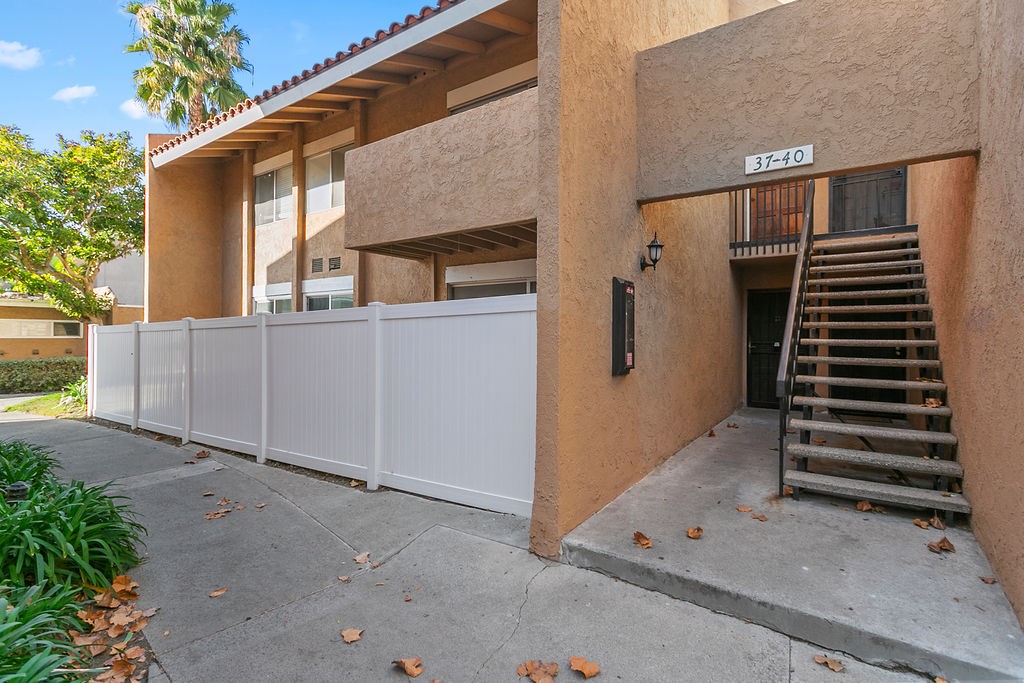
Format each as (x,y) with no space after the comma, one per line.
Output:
(868,401)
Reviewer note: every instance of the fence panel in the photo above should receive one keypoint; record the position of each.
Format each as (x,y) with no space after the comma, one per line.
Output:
(114,372)
(318,380)
(225,383)
(458,403)
(162,378)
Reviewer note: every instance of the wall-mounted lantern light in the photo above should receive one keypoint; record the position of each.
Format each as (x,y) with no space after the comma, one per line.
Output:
(654,249)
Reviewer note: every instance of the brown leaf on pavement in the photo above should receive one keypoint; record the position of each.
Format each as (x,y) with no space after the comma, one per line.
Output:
(239,507)
(787,490)
(344,579)
(588,669)
(120,670)
(941,545)
(693,533)
(833,664)
(921,523)
(407,598)
(743,508)
(863,506)
(731,425)
(260,506)
(413,666)
(203,454)
(937,523)
(362,558)
(641,541)
(760,518)
(207,493)
(940,679)
(351,635)
(933,403)
(219,592)
(166,633)
(218,514)
(538,671)
(711,432)
(988,579)
(225,501)
(355,483)
(187,462)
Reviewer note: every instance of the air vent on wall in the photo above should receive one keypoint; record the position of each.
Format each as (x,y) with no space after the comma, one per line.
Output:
(318,265)
(334,263)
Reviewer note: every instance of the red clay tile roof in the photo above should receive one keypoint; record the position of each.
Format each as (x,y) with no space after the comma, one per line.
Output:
(353,49)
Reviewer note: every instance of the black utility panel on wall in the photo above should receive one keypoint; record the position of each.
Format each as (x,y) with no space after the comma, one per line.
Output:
(623,292)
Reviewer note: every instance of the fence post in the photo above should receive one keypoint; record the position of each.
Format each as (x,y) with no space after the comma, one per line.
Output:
(186,417)
(136,378)
(261,447)
(376,398)
(90,372)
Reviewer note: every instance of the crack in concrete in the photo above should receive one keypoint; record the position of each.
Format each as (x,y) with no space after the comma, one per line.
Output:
(519,620)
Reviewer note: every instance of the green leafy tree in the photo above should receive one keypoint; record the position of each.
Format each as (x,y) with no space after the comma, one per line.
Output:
(194,58)
(64,213)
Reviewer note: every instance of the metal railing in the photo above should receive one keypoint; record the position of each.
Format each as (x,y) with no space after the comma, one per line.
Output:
(794,314)
(766,219)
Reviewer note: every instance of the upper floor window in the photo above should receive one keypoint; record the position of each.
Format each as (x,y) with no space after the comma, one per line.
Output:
(325,180)
(39,329)
(274,195)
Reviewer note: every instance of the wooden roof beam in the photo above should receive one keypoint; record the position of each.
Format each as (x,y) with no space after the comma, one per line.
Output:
(518,232)
(505,22)
(353,93)
(380,77)
(230,144)
(492,236)
(417,61)
(294,117)
(312,104)
(267,127)
(250,136)
(458,43)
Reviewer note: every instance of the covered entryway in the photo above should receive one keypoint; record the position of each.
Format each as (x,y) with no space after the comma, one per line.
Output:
(766,321)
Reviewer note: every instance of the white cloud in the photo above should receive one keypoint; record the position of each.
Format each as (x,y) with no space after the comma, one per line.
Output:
(74,92)
(134,109)
(68,61)
(18,56)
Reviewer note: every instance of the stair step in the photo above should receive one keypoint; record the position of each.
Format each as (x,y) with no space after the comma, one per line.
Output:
(869,294)
(855,256)
(857,267)
(885,362)
(865,280)
(871,406)
(870,325)
(873,343)
(868,490)
(865,383)
(871,431)
(868,308)
(888,461)
(897,241)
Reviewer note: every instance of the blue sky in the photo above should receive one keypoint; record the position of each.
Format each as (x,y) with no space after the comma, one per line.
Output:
(63,68)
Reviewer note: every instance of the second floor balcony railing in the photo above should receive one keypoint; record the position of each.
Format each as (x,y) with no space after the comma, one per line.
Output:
(766,220)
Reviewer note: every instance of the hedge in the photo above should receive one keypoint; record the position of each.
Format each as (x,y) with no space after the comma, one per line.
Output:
(39,374)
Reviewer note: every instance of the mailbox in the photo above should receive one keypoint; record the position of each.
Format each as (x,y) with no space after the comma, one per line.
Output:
(623,292)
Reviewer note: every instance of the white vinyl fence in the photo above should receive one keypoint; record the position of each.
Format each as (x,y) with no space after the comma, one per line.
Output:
(436,398)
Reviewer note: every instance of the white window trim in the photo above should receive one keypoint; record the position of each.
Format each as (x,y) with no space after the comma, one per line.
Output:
(43,336)
(509,78)
(329,143)
(503,271)
(276,290)
(329,285)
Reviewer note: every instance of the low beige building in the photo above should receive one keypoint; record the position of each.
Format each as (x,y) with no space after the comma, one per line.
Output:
(488,147)
(31,328)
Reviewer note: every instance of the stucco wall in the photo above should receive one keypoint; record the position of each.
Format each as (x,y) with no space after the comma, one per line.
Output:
(231,238)
(275,261)
(14,349)
(325,237)
(843,75)
(598,434)
(183,238)
(471,170)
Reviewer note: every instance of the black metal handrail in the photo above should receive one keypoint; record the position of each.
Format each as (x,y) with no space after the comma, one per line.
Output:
(766,219)
(794,314)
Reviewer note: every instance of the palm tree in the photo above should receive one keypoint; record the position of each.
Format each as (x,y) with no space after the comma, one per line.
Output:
(194,56)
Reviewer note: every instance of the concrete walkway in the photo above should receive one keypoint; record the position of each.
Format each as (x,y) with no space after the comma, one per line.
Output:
(479,604)
(816,569)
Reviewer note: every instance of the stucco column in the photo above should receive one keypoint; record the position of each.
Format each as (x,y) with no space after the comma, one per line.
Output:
(248,232)
(299,212)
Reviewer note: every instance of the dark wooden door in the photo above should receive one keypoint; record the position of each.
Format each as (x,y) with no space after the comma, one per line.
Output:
(766,325)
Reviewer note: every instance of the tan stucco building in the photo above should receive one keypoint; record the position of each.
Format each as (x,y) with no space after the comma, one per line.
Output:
(490,147)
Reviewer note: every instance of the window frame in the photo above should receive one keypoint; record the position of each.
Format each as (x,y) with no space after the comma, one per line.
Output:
(339,189)
(281,209)
(53,322)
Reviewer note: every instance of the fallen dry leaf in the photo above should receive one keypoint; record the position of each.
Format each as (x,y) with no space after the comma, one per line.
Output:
(760,518)
(150,612)
(225,501)
(218,468)
(787,490)
(123,583)
(355,483)
(641,541)
(942,544)
(132,652)
(379,583)
(260,506)
(538,671)
(863,506)
(940,679)
(933,403)
(344,579)
(351,635)
(588,669)
(120,670)
(413,666)
(407,598)
(239,507)
(819,442)
(833,664)
(207,493)
(693,533)
(166,633)
(711,432)
(218,514)
(187,462)
(106,599)
(219,592)
(988,579)
(203,454)
(921,523)
(731,425)
(937,523)
(743,508)
(362,558)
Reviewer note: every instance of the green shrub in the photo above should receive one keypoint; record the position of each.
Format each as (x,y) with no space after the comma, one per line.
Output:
(67,533)
(33,631)
(39,374)
(22,462)
(75,395)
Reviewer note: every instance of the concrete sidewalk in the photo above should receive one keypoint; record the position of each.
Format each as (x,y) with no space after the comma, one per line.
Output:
(479,605)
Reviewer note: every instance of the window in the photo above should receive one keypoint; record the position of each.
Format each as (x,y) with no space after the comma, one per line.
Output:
(39,329)
(280,305)
(325,180)
(482,289)
(876,199)
(329,302)
(274,195)
(493,87)
(504,278)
